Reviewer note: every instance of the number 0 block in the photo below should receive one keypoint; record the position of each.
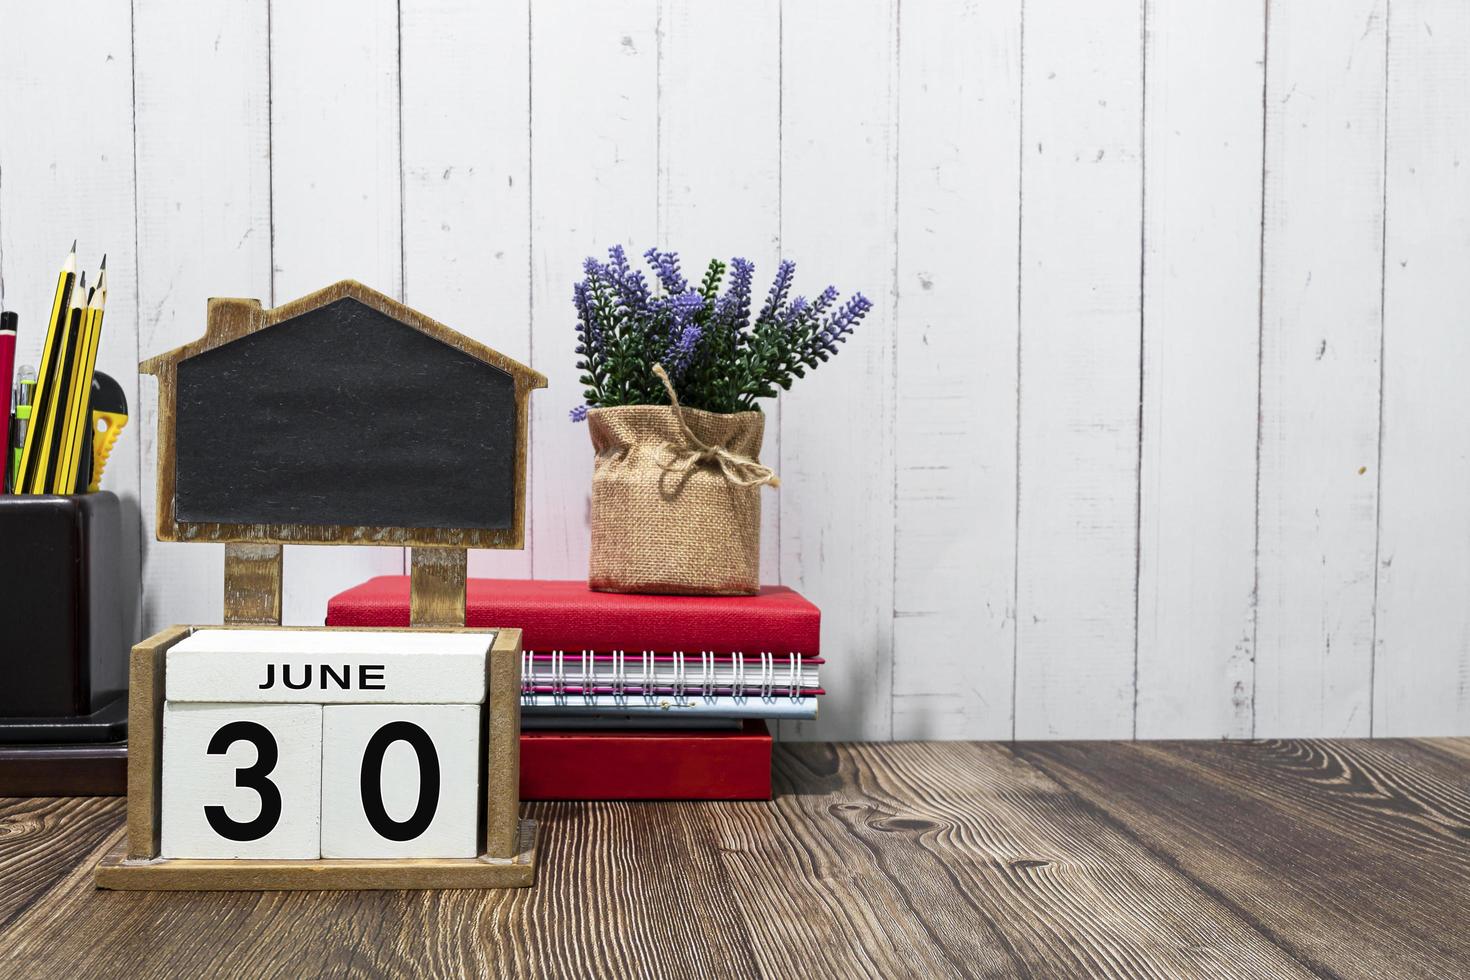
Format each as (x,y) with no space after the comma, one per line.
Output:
(400,780)
(241,781)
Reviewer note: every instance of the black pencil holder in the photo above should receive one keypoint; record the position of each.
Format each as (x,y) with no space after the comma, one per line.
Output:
(63,654)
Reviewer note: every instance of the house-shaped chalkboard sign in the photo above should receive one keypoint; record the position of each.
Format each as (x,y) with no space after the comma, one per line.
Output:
(343,417)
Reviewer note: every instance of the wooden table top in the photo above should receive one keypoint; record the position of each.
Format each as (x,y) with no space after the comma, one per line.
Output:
(1048,859)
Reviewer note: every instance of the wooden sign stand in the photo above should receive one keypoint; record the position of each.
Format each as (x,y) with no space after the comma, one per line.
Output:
(252,597)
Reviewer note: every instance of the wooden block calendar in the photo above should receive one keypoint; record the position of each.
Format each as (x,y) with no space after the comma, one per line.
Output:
(332,782)
(264,757)
(334,744)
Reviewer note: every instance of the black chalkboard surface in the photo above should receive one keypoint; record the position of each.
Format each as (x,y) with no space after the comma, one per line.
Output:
(344,416)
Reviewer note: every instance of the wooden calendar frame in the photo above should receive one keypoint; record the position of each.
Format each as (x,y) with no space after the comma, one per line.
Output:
(508,858)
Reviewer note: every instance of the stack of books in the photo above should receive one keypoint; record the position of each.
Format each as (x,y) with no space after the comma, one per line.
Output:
(638,696)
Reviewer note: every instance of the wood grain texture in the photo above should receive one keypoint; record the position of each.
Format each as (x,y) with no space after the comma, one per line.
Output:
(503,745)
(145,740)
(117,872)
(436,591)
(955,443)
(839,212)
(202,92)
(1201,303)
(253,584)
(1421,678)
(1321,320)
(43,834)
(1272,859)
(1330,884)
(1081,193)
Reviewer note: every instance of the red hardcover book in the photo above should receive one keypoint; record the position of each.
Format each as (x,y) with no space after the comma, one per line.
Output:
(647,765)
(569,616)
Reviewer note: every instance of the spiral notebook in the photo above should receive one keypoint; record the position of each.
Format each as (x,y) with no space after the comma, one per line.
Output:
(646,672)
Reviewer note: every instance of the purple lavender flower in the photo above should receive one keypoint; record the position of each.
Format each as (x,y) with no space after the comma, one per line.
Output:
(618,264)
(720,357)
(631,286)
(828,297)
(780,287)
(798,310)
(589,325)
(840,324)
(732,310)
(684,333)
(666,266)
(681,352)
(685,306)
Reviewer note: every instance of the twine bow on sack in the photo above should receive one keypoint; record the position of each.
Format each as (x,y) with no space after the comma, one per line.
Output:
(742,471)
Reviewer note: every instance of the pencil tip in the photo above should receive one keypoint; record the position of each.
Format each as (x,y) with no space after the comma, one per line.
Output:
(104,260)
(74,246)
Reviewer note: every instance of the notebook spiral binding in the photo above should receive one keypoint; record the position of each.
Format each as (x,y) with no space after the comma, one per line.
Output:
(770,678)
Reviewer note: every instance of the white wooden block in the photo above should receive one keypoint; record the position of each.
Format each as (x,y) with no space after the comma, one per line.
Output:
(400,781)
(328,667)
(241,781)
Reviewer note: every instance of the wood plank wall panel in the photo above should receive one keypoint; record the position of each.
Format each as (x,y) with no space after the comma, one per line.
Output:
(719,163)
(1321,301)
(336,192)
(594,183)
(466,183)
(1201,312)
(955,512)
(1421,683)
(839,224)
(1077,528)
(1134,265)
(202,93)
(66,170)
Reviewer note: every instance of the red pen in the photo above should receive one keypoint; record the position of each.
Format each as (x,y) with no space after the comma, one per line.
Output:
(7,372)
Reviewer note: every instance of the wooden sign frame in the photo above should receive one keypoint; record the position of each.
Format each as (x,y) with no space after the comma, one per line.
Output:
(231,319)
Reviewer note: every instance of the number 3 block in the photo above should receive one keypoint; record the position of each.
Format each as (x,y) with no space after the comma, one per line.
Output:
(241,781)
(400,780)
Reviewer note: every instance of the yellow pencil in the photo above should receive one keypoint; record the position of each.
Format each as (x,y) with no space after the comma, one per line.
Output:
(33,450)
(48,461)
(79,414)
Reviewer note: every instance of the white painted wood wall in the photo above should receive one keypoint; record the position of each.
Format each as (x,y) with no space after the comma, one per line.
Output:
(1158,429)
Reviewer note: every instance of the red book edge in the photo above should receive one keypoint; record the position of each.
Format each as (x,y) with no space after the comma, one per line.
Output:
(562,615)
(647,765)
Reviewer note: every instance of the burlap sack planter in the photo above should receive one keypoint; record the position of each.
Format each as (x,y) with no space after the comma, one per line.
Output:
(676,510)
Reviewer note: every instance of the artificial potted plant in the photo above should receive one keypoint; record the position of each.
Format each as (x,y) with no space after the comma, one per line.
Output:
(673,374)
